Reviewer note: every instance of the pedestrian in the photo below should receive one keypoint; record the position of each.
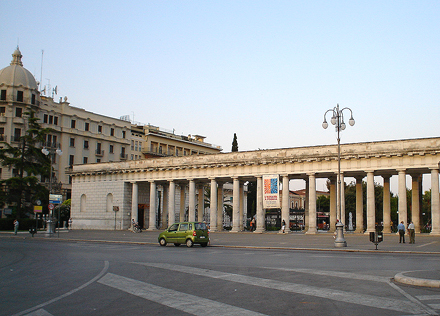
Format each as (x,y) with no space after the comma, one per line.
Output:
(253,224)
(401,229)
(283,227)
(412,233)
(16,224)
(70,223)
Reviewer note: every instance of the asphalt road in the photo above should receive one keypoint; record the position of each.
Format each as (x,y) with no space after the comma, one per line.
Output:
(41,277)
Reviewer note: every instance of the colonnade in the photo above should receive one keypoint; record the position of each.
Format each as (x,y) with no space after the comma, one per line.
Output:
(216,203)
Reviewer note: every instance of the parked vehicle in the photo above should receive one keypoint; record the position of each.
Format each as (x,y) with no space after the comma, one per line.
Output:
(188,233)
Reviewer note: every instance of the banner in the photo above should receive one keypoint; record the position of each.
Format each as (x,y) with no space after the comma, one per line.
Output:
(271,191)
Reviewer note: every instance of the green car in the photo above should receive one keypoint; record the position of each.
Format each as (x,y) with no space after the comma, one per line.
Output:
(188,233)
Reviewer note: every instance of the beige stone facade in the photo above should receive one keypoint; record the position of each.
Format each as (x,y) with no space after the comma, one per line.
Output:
(133,182)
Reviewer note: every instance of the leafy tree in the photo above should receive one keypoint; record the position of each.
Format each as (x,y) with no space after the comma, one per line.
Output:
(235,143)
(27,162)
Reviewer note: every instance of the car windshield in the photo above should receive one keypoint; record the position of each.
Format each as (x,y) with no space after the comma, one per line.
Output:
(200,226)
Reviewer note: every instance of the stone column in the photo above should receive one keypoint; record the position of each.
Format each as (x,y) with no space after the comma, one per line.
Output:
(371,207)
(241,206)
(171,203)
(192,201)
(213,206)
(201,203)
(415,201)
(312,204)
(182,203)
(386,204)
(134,202)
(359,205)
(220,206)
(333,210)
(235,204)
(153,207)
(260,211)
(403,211)
(285,210)
(165,213)
(435,203)
(306,206)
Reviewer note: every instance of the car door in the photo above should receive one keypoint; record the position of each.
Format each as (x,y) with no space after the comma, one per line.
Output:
(172,233)
(181,233)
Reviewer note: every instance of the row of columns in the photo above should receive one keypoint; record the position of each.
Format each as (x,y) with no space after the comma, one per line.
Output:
(216,203)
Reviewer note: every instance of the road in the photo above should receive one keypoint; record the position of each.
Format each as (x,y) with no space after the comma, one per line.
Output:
(46,278)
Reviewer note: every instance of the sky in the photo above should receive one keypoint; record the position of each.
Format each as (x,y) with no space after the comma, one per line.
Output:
(265,70)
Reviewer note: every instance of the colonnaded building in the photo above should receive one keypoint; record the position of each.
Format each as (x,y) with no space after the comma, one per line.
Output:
(108,195)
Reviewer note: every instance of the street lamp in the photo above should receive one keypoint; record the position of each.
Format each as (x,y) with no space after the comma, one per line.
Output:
(337,119)
(50,152)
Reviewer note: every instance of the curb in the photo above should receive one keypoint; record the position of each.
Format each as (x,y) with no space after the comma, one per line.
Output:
(401,278)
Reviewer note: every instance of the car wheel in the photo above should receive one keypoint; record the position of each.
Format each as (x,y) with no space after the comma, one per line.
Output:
(177,245)
(204,244)
(162,242)
(189,243)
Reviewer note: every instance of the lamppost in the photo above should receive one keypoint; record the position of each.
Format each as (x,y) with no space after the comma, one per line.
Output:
(51,152)
(338,120)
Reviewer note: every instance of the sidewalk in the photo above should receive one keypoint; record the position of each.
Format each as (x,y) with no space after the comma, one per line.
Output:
(425,244)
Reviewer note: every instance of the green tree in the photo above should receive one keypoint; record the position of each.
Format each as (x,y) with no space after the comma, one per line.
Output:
(27,163)
(235,143)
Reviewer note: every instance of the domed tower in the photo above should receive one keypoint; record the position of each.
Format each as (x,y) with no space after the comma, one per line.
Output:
(17,84)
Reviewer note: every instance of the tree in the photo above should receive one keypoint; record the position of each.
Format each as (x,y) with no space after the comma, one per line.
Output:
(235,143)
(28,163)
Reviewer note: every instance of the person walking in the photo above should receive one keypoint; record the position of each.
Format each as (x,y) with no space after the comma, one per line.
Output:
(401,229)
(16,224)
(283,226)
(412,233)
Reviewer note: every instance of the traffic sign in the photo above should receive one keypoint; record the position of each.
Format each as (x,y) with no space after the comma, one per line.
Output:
(51,206)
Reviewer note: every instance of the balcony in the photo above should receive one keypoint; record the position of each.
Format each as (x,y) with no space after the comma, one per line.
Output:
(123,156)
(99,153)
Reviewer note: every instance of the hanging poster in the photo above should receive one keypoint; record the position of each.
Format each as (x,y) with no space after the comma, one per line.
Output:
(271,191)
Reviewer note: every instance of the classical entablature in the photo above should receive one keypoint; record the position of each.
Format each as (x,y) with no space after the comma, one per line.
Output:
(385,158)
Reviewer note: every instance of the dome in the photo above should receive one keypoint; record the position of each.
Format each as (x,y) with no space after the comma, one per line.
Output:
(16,75)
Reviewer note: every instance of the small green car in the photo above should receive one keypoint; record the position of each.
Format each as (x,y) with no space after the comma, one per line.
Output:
(188,233)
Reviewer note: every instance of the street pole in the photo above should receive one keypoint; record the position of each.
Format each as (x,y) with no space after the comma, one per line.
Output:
(337,119)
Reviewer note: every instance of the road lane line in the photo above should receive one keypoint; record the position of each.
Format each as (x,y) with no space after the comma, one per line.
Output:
(103,271)
(423,245)
(428,297)
(40,312)
(331,294)
(178,300)
(337,274)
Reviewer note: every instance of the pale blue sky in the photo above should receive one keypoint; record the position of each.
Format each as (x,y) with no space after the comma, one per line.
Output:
(266,70)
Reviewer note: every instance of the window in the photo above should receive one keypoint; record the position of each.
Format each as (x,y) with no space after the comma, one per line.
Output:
(123,151)
(86,144)
(72,142)
(132,145)
(99,128)
(19,96)
(3,95)
(33,99)
(85,159)
(111,149)
(45,117)
(86,126)
(112,132)
(98,159)
(72,124)
(50,119)
(123,134)
(71,160)
(18,112)
(17,134)
(183,227)
(2,111)
(2,133)
(55,120)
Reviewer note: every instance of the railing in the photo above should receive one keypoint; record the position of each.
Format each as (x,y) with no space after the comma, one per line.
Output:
(99,152)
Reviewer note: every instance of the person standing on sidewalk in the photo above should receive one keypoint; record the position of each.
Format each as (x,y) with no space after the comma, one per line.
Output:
(412,233)
(283,226)
(401,229)
(16,227)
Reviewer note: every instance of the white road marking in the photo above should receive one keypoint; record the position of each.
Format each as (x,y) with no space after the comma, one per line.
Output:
(104,270)
(430,243)
(40,312)
(331,294)
(185,302)
(337,274)
(435,306)
(428,297)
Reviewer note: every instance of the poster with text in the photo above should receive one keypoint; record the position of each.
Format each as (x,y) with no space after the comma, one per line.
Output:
(271,191)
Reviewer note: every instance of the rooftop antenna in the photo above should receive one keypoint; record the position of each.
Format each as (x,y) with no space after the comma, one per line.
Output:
(41,71)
